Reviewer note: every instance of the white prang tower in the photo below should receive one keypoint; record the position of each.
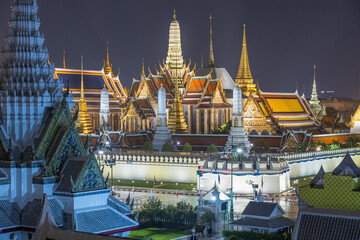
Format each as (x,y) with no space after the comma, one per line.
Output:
(104,107)
(162,133)
(27,86)
(237,137)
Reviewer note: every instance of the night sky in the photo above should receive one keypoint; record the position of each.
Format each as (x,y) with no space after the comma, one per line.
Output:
(285,38)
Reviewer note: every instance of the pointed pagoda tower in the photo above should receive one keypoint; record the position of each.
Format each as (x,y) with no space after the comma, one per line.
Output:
(243,78)
(177,123)
(174,60)
(314,102)
(83,123)
(211,63)
(107,67)
(27,86)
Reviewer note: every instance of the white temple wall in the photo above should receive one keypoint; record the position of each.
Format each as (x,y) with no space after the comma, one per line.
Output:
(275,183)
(312,166)
(182,173)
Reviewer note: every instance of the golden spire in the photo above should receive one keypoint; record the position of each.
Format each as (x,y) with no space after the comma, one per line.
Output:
(211,53)
(64,66)
(142,69)
(244,74)
(174,16)
(84,121)
(82,95)
(107,65)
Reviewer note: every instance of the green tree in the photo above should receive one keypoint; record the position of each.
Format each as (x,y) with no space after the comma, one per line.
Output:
(167,147)
(351,142)
(207,218)
(260,147)
(147,146)
(233,237)
(151,213)
(212,148)
(187,147)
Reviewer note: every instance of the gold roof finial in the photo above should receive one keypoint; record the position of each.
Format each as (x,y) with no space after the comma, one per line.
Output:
(82,95)
(107,65)
(142,68)
(174,16)
(48,60)
(244,74)
(202,59)
(64,65)
(211,52)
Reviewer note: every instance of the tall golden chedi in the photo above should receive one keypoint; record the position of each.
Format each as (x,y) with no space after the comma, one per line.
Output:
(243,78)
(174,60)
(83,123)
(176,122)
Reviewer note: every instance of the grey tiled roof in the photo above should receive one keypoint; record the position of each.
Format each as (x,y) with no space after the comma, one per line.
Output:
(57,212)
(31,213)
(318,180)
(327,224)
(9,214)
(273,223)
(262,209)
(72,168)
(118,205)
(347,167)
(102,220)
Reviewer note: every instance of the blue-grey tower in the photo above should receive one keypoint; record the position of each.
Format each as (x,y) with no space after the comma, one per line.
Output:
(27,85)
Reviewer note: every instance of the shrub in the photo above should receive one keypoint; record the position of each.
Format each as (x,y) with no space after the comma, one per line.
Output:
(207,218)
(167,147)
(147,146)
(212,148)
(187,147)
(233,237)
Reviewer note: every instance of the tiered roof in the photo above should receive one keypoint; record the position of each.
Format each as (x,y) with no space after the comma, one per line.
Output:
(347,167)
(286,110)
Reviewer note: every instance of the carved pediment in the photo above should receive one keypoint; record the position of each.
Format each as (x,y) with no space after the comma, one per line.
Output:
(251,110)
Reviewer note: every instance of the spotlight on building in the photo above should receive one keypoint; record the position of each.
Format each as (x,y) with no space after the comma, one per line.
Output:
(239,150)
(101,152)
(178,143)
(318,148)
(107,142)
(213,198)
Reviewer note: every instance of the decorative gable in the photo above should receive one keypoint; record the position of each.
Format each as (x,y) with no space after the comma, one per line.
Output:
(90,177)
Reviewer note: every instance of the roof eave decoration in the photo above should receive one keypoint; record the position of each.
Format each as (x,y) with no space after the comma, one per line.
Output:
(90,178)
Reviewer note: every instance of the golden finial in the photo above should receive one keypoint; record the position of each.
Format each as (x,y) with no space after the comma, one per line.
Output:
(211,52)
(82,96)
(142,68)
(202,59)
(64,66)
(244,73)
(48,60)
(174,16)
(118,71)
(108,67)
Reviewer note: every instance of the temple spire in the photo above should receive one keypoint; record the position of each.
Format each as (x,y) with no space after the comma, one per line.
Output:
(142,68)
(243,78)
(174,16)
(64,65)
(82,95)
(107,65)
(244,73)
(314,96)
(211,53)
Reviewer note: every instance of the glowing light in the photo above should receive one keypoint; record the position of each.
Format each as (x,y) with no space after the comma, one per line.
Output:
(107,142)
(239,150)
(213,198)
(178,143)
(101,152)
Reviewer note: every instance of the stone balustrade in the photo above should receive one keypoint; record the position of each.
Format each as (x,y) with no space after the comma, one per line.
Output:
(142,157)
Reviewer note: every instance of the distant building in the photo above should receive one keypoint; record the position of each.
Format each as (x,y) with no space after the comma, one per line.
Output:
(263,217)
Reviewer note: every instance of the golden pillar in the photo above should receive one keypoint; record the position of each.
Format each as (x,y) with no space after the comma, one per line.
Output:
(189,118)
(206,128)
(212,117)
(217,124)
(197,121)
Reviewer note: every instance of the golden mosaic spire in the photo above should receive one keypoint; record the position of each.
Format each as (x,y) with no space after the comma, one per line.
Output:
(142,68)
(176,123)
(174,59)
(83,122)
(243,78)
(107,68)
(211,53)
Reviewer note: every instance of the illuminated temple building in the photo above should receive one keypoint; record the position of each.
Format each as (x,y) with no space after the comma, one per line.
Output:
(43,161)
(207,97)
(93,83)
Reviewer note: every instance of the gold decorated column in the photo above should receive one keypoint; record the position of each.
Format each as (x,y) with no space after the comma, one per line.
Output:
(189,118)
(197,121)
(212,117)
(217,124)
(206,122)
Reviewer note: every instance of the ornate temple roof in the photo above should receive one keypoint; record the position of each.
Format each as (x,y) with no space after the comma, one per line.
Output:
(347,167)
